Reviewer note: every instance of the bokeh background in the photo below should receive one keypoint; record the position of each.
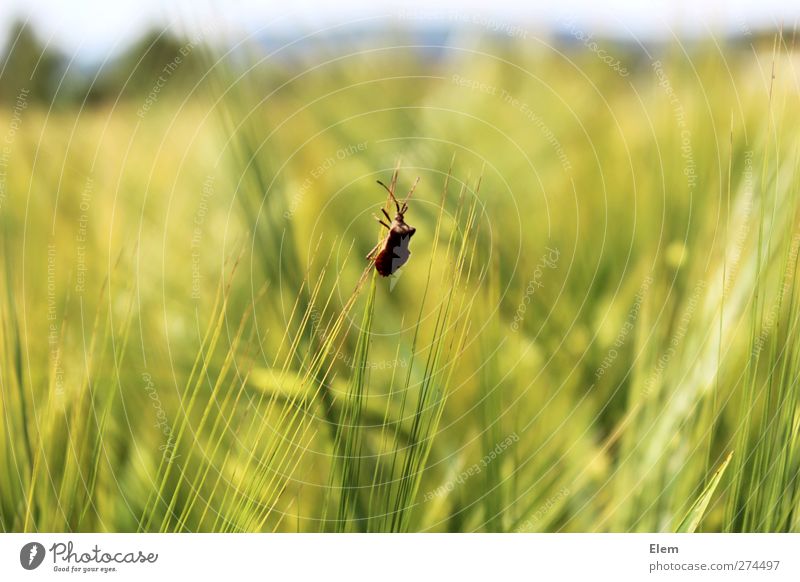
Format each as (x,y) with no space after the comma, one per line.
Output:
(596,331)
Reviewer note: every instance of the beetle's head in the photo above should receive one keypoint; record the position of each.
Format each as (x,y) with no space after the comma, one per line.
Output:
(402,207)
(401,213)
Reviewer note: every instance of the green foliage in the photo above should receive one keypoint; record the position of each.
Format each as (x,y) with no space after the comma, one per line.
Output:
(601,304)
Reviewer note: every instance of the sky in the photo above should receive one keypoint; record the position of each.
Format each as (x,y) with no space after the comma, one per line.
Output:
(92,27)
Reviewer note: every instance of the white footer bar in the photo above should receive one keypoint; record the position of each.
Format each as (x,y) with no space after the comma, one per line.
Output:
(405,558)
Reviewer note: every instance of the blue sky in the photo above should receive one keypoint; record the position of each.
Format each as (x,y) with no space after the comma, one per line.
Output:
(99,26)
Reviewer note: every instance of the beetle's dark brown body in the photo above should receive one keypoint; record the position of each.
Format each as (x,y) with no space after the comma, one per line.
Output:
(392,253)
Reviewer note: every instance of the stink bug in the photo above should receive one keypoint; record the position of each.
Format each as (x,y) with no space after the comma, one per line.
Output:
(392,252)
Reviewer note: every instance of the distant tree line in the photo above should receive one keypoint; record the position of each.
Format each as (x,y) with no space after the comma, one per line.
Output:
(29,64)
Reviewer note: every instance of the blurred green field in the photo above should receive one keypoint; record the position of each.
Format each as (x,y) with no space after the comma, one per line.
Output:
(600,307)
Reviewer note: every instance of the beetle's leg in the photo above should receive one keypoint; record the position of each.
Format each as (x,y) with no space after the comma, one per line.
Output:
(382,222)
(386,214)
(374,249)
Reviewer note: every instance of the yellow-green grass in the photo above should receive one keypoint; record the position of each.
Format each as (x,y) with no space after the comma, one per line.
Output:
(600,307)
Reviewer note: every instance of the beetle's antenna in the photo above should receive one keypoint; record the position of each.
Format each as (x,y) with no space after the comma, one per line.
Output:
(391,193)
(386,187)
(394,175)
(413,187)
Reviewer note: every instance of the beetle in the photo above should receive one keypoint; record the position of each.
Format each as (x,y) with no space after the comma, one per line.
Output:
(392,252)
